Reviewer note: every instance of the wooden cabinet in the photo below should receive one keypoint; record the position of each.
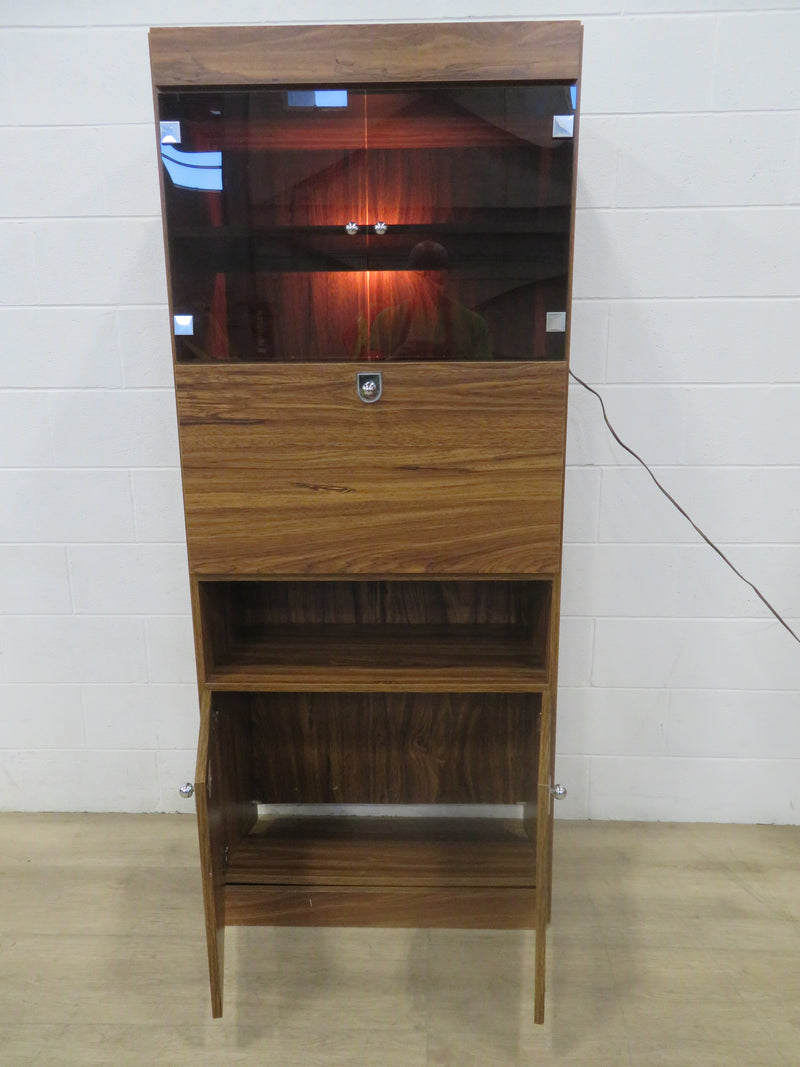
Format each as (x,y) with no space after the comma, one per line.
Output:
(369,239)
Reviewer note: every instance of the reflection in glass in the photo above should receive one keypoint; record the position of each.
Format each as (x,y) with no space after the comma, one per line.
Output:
(429,323)
(317,97)
(193,170)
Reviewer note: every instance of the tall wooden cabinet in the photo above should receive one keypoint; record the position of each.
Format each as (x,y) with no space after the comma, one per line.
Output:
(369,244)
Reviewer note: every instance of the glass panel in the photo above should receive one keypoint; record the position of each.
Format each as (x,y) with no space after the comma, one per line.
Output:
(461,197)
(476,193)
(258,189)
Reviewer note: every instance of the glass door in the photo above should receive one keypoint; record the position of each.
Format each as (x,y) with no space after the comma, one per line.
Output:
(330,225)
(261,187)
(471,189)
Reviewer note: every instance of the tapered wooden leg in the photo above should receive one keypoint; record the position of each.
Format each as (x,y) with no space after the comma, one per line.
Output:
(538,998)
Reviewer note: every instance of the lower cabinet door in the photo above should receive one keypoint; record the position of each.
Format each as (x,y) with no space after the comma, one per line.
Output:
(223,818)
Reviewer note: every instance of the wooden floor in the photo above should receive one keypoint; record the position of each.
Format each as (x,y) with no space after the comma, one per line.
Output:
(670,944)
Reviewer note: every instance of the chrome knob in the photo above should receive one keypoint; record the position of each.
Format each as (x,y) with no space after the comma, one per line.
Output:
(558,792)
(186,791)
(381,228)
(352,228)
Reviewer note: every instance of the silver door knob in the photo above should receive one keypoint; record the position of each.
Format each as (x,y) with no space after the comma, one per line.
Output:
(381,228)
(558,792)
(186,791)
(352,228)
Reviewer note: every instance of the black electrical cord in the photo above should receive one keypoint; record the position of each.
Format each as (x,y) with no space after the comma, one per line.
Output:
(675,504)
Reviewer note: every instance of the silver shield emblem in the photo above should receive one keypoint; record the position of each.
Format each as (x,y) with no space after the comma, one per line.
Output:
(369,387)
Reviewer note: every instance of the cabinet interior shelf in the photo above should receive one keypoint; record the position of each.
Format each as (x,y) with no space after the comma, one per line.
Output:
(394,658)
(344,133)
(384,851)
(527,255)
(380,871)
(464,222)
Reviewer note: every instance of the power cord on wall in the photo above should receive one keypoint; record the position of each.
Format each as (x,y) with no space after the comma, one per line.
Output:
(675,504)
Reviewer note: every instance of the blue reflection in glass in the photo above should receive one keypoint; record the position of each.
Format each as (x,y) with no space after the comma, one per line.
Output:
(301,97)
(573,95)
(330,97)
(193,170)
(317,97)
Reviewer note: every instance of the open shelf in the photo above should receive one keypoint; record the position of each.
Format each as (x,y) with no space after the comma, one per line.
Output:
(394,659)
(394,636)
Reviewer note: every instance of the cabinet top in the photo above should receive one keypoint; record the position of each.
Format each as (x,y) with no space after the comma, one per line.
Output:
(366,54)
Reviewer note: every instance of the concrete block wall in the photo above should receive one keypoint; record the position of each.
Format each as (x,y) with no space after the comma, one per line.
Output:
(678,691)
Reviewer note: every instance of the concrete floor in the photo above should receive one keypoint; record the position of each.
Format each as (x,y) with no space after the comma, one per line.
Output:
(670,945)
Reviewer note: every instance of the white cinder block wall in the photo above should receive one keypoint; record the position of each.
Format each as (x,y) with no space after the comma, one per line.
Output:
(679,695)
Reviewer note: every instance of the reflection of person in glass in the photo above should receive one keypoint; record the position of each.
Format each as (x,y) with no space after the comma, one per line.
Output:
(430,324)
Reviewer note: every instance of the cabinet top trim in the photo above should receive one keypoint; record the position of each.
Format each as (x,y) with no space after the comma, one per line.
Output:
(366,54)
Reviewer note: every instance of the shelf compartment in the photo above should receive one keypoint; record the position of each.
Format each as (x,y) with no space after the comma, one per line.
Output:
(374,870)
(435,636)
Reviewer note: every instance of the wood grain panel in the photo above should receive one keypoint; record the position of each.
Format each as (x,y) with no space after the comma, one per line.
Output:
(456,469)
(336,55)
(364,603)
(379,748)
(483,909)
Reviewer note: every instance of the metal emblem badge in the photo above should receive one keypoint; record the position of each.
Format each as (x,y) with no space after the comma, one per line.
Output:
(369,387)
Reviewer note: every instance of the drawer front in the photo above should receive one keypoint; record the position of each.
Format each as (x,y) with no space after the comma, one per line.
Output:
(455,469)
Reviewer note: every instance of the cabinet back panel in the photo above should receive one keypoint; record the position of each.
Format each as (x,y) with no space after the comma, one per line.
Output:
(378,748)
(379,603)
(456,469)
